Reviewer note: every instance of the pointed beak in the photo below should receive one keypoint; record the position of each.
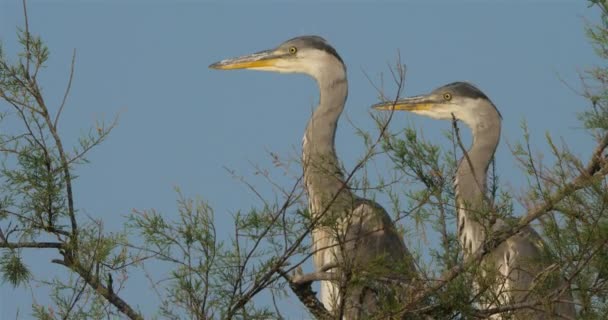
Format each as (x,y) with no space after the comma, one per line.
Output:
(267,58)
(418,103)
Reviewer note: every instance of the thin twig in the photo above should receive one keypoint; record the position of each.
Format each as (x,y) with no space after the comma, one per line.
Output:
(105,292)
(37,245)
(67,89)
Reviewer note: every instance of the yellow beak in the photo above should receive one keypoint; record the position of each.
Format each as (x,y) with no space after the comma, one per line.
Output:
(407,104)
(267,58)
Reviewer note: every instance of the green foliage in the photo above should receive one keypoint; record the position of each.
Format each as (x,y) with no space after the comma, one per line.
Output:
(42,313)
(35,186)
(596,79)
(13,270)
(36,199)
(208,277)
(209,273)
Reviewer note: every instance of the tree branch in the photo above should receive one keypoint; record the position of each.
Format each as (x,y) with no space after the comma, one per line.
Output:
(108,294)
(307,296)
(38,245)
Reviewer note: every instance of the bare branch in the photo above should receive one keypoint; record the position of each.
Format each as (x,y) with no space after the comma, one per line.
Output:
(37,245)
(67,89)
(108,294)
(308,297)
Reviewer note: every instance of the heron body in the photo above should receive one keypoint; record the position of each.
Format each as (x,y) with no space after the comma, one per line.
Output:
(354,233)
(520,259)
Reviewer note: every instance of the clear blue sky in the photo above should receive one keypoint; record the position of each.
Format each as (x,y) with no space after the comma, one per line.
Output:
(181,123)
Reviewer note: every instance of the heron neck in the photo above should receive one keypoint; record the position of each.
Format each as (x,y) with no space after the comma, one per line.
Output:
(322,174)
(470,184)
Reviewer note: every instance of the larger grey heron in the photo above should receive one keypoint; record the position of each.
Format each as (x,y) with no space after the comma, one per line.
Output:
(354,233)
(521,258)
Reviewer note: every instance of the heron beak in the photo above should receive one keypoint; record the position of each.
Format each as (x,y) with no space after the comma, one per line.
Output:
(262,59)
(419,103)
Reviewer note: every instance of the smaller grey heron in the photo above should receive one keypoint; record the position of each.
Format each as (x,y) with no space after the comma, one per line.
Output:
(522,257)
(355,233)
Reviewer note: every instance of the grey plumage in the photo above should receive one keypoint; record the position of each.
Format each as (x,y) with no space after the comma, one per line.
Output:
(464,89)
(524,257)
(356,233)
(314,42)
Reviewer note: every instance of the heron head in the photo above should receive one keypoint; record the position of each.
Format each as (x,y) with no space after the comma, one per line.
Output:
(460,100)
(306,54)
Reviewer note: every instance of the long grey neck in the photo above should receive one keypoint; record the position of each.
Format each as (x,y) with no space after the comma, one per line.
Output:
(470,183)
(322,174)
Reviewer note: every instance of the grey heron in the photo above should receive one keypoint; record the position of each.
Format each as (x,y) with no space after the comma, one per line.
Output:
(522,257)
(354,233)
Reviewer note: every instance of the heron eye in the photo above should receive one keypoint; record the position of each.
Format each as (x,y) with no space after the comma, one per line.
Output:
(447,96)
(293,50)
